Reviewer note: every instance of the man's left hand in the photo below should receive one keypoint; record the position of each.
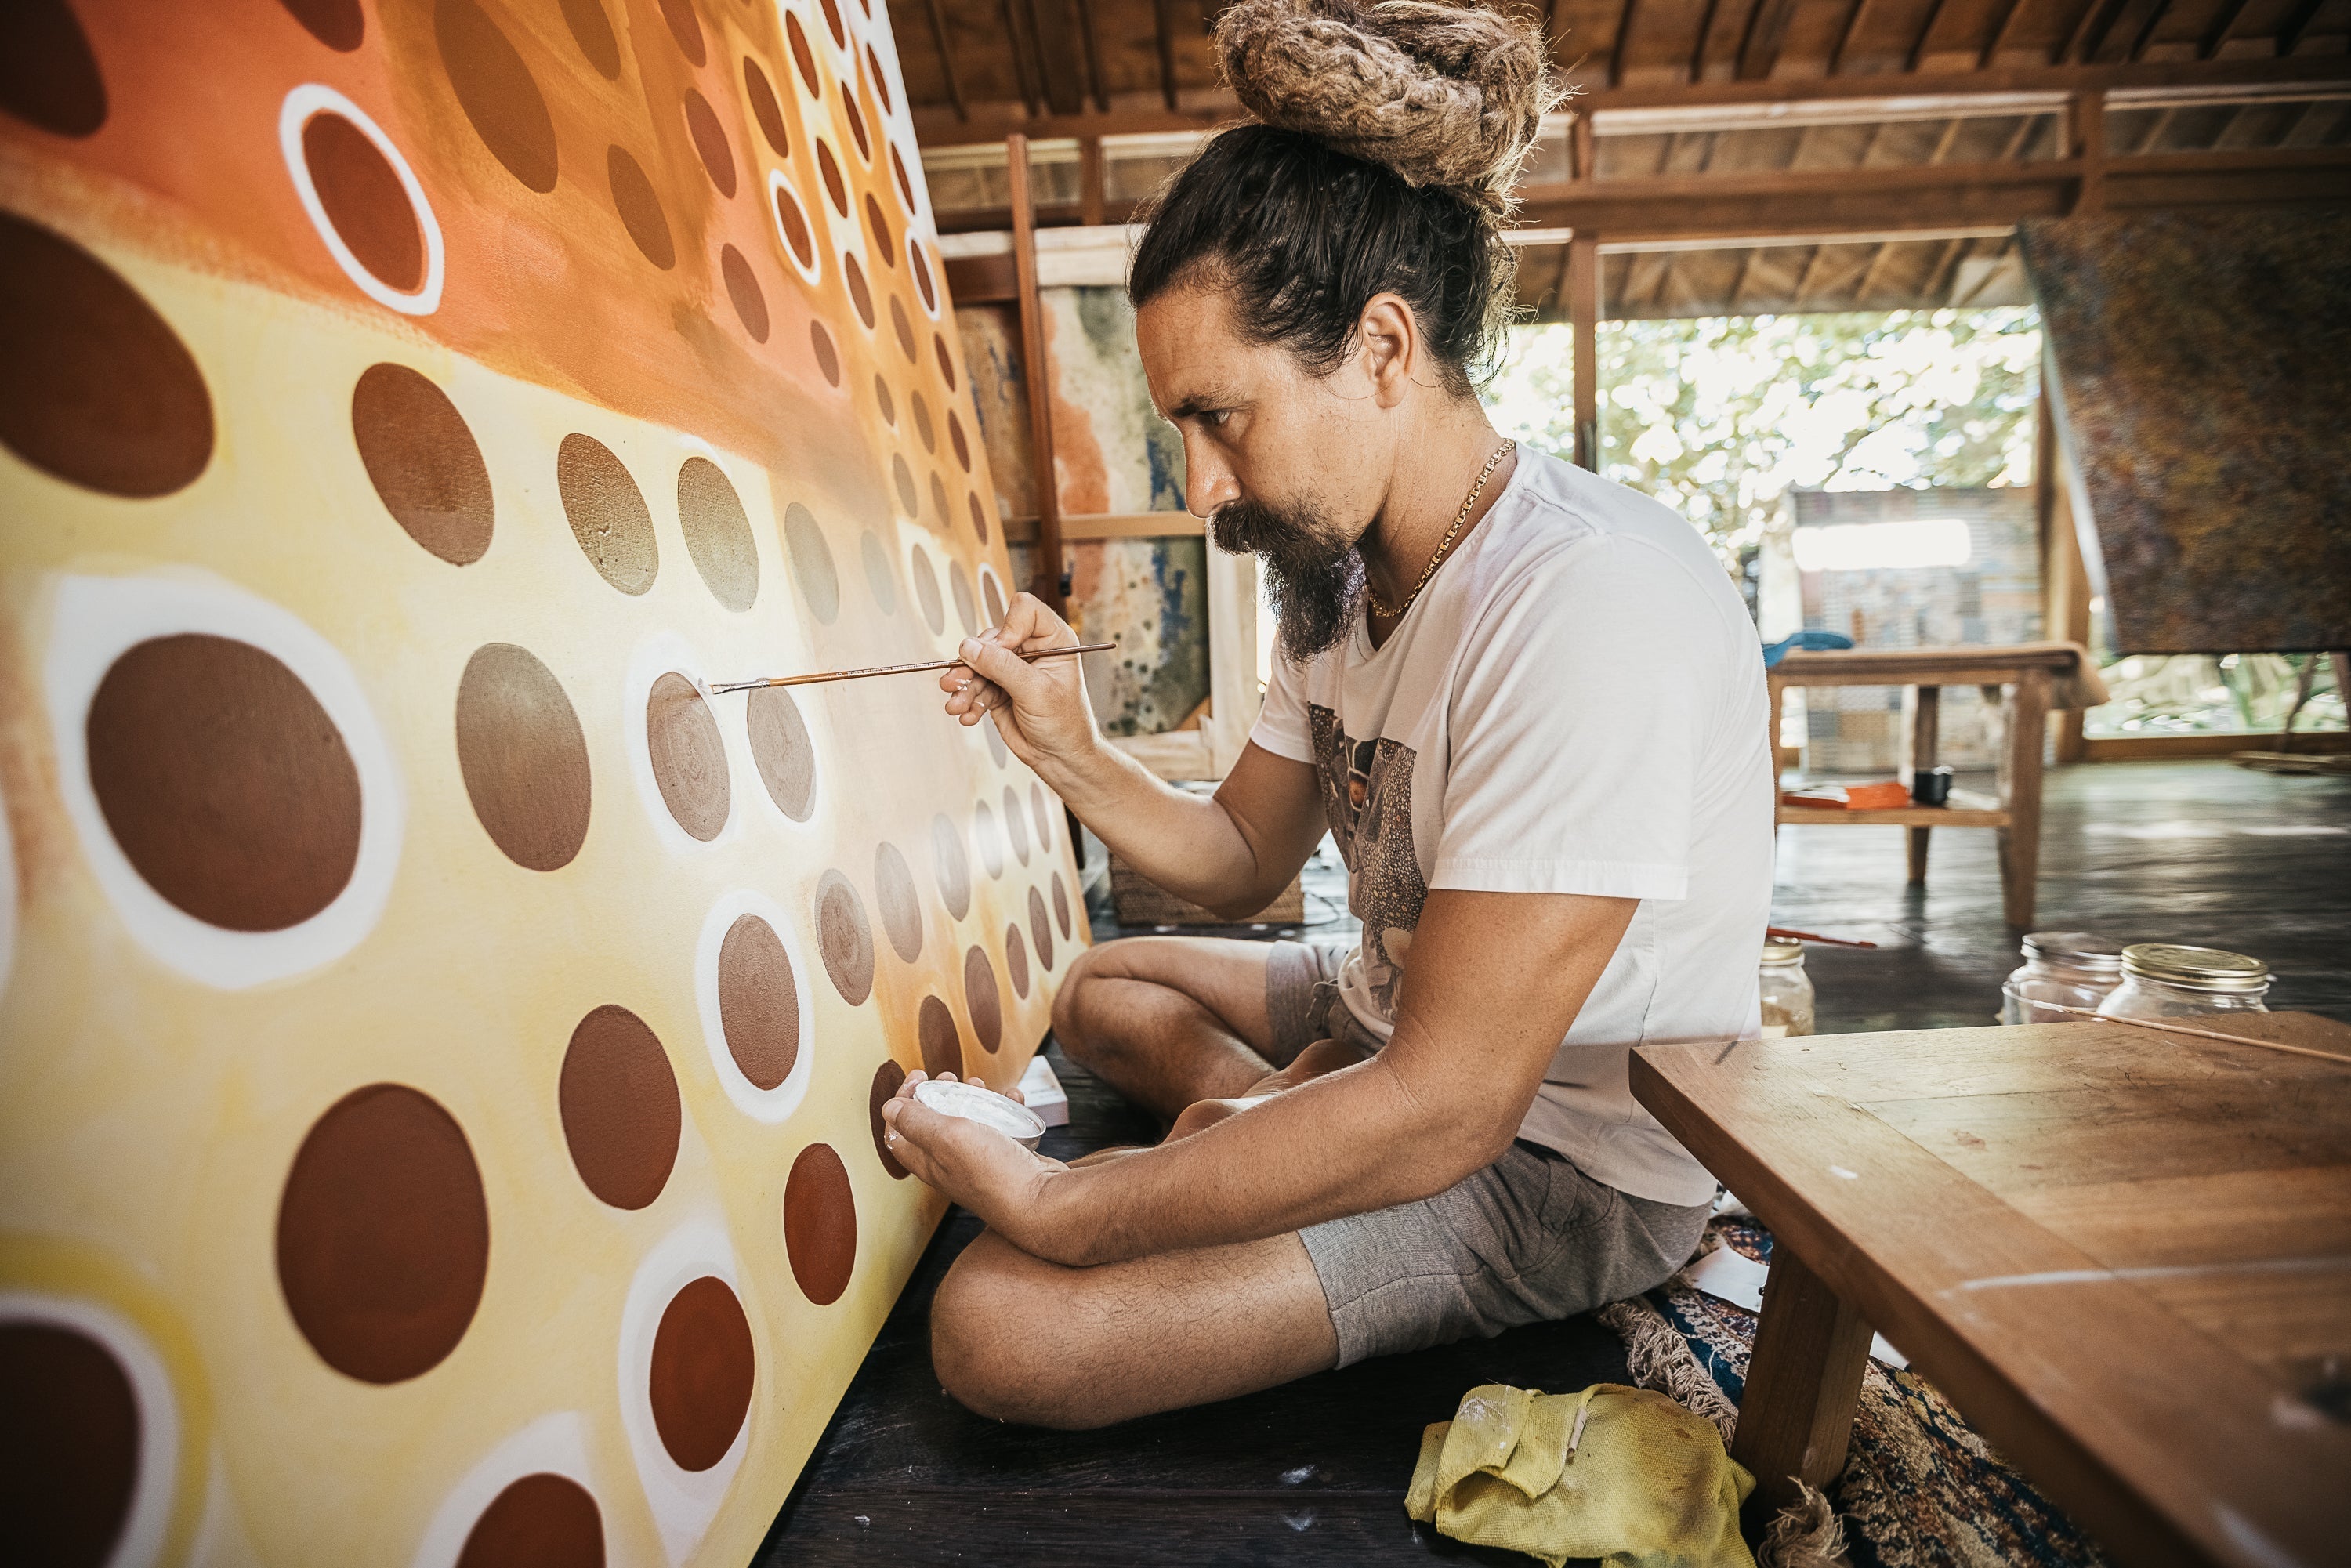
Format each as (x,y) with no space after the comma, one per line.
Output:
(990,1174)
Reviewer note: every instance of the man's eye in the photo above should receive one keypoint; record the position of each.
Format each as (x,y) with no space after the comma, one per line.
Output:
(1215,419)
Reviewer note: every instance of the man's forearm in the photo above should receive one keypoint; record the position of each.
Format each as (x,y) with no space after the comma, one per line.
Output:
(1185,844)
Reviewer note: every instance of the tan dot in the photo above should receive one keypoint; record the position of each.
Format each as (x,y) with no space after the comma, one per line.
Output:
(874,74)
(812,565)
(885,402)
(608,514)
(835,190)
(1016,960)
(833,21)
(803,56)
(743,289)
(49,78)
(365,203)
(495,90)
(424,462)
(539,1521)
(101,391)
(902,479)
(995,598)
(922,269)
(900,907)
(887,1079)
(717,533)
(821,1224)
(592,31)
(703,1367)
(524,757)
(950,866)
(69,1429)
(782,752)
(946,360)
(878,579)
(927,591)
(689,760)
(1040,930)
(1040,809)
(859,295)
(904,328)
(844,938)
(978,517)
(640,209)
(828,359)
(923,430)
(620,1106)
(763,108)
(941,1042)
(884,246)
(686,27)
(759,1002)
(224,782)
(959,584)
(710,142)
(1060,906)
(795,227)
(956,439)
(982,999)
(1016,822)
(939,498)
(384,1235)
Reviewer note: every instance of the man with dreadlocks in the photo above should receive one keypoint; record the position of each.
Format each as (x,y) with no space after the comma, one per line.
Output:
(1527,703)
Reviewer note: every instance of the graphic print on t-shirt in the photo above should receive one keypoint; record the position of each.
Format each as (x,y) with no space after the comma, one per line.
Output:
(1368,801)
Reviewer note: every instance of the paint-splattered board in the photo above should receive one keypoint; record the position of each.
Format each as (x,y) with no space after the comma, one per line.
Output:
(439,1046)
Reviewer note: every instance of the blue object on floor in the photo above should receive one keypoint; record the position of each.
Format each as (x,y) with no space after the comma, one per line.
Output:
(1808,638)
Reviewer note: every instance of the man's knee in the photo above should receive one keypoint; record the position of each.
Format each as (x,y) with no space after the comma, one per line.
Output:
(989,1327)
(1077,1015)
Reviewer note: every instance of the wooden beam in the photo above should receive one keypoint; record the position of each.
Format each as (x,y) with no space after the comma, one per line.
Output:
(2157,124)
(2155,13)
(1093,54)
(1869,276)
(1845,33)
(1166,46)
(1925,31)
(2297,22)
(1089,182)
(2095,18)
(1805,278)
(1767,29)
(2086,125)
(1697,45)
(1059,50)
(1583,157)
(2222,25)
(1037,372)
(947,59)
(1020,60)
(1616,46)
(1583,311)
(1998,39)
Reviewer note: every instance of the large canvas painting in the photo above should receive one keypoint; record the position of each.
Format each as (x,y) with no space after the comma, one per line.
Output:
(441,1043)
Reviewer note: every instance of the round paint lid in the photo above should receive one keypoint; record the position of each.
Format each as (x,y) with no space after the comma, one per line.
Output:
(976,1103)
(1778,951)
(2195,968)
(2074,949)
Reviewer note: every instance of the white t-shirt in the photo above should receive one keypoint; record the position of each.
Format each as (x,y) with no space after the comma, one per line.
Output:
(1574,705)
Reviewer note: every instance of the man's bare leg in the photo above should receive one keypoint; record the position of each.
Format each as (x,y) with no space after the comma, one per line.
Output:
(1166,1021)
(1018,1339)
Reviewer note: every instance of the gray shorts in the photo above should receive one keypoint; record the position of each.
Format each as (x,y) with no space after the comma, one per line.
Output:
(1529,1238)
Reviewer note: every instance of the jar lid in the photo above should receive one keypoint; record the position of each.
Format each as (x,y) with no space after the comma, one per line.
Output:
(2076,949)
(2195,968)
(1775,952)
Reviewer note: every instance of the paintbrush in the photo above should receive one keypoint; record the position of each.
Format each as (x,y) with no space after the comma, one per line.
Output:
(894,669)
(1780,932)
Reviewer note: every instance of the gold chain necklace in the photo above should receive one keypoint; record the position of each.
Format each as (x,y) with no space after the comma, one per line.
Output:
(1371,595)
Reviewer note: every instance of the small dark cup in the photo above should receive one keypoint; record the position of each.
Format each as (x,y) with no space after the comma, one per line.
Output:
(1930,787)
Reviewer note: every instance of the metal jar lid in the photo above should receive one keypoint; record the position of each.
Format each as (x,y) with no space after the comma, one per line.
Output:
(2196,968)
(2076,949)
(1775,952)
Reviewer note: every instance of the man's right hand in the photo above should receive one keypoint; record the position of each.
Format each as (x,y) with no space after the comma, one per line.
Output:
(1040,708)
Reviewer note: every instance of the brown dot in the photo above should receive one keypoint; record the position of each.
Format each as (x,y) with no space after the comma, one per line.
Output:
(69,1442)
(835,191)
(878,579)
(946,360)
(812,566)
(927,432)
(524,757)
(48,78)
(803,56)
(539,1521)
(495,88)
(978,516)
(857,121)
(717,533)
(764,107)
(1016,960)
(833,21)
(991,845)
(901,908)
(903,478)
(1040,930)
(425,466)
(689,760)
(874,74)
(780,749)
(905,185)
(1016,822)
(883,246)
(950,866)
(939,497)
(859,295)
(640,209)
(710,142)
(224,782)
(686,27)
(942,1044)
(1060,906)
(337,24)
(821,1224)
(101,391)
(904,328)
(608,514)
(364,201)
(883,401)
(619,1105)
(759,1002)
(592,31)
(959,584)
(1043,814)
(922,267)
(956,439)
(828,358)
(793,223)
(927,591)
(887,1079)
(704,1366)
(993,596)
(743,289)
(384,1235)
(844,938)
(982,999)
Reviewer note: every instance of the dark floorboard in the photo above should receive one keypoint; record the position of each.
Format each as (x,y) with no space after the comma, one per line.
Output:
(1315,1473)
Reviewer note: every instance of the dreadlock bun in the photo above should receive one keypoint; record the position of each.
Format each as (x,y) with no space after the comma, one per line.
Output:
(1448,96)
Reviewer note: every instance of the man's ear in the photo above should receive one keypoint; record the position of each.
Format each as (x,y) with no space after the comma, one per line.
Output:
(1388,339)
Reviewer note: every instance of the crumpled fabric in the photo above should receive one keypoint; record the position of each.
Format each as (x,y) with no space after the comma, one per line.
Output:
(1648,1486)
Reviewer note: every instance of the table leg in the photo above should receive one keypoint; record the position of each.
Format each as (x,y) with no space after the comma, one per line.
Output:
(2020,793)
(1779,697)
(1803,1384)
(1924,721)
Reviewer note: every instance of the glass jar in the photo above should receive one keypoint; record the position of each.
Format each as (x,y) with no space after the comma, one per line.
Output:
(2071,968)
(2161,981)
(1786,990)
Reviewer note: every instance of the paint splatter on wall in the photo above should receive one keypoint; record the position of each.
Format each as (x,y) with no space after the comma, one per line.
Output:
(441,1047)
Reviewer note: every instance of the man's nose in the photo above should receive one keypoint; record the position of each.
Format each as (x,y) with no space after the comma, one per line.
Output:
(1207,484)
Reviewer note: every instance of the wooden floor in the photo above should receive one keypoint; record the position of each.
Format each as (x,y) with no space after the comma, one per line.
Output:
(1315,1473)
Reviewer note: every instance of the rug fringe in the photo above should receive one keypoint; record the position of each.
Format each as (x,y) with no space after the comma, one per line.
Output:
(1659,1358)
(1807,1534)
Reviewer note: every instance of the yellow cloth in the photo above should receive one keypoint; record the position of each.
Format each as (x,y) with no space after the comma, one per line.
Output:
(1647,1487)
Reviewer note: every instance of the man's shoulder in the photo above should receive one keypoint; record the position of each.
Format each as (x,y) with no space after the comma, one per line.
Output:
(1569,532)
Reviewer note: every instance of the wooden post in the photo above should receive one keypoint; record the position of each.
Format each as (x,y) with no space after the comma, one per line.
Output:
(2086,111)
(1046,580)
(1922,718)
(2065,582)
(1803,1383)
(2019,795)
(1089,182)
(1584,310)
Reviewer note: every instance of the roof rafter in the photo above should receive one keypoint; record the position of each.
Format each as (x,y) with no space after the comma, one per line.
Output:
(1925,31)
(947,60)
(1998,39)
(1093,54)
(1767,28)
(2147,29)
(1845,35)
(1166,45)
(1617,47)
(2221,28)
(1698,46)
(2289,38)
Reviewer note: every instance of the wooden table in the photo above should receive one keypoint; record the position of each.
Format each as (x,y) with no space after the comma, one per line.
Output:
(2125,1257)
(2025,674)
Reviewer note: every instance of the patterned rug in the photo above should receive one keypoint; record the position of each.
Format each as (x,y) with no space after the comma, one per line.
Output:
(1919,1488)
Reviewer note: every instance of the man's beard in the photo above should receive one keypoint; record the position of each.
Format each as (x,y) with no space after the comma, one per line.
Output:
(1314,576)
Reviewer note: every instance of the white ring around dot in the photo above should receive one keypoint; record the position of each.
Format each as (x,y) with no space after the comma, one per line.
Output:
(300,107)
(554,1445)
(814,269)
(142,1541)
(761,1105)
(662,653)
(682,1501)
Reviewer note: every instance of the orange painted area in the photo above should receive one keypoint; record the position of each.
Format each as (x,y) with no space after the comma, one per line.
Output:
(1080,468)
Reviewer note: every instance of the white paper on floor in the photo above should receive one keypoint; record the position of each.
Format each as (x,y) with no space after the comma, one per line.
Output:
(1042,1088)
(1730,1275)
